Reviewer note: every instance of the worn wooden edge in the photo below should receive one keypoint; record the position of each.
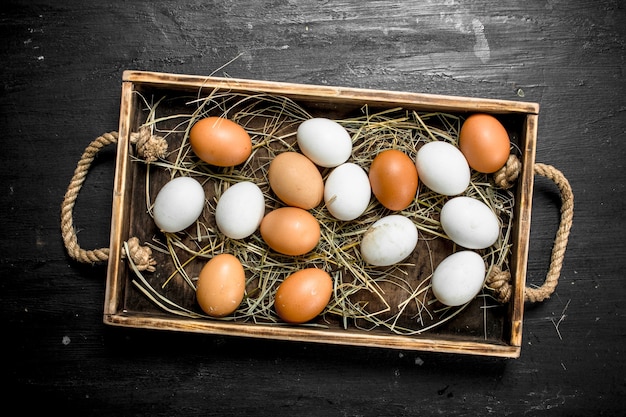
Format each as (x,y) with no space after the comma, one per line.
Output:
(119,227)
(321,336)
(427,101)
(522,243)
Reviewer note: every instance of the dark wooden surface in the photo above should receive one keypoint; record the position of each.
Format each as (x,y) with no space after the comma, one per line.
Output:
(61,68)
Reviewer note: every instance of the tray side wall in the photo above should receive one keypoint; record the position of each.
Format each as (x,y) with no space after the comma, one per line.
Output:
(524,201)
(119,222)
(334,94)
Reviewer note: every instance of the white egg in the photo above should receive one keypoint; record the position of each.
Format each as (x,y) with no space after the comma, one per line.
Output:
(458,278)
(324,141)
(389,240)
(442,168)
(178,204)
(347,191)
(469,223)
(240,210)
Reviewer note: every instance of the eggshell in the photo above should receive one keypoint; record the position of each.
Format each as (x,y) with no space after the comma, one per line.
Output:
(484,142)
(458,278)
(324,141)
(178,204)
(469,222)
(296,180)
(290,230)
(240,210)
(442,168)
(303,295)
(219,141)
(389,240)
(347,191)
(221,285)
(393,178)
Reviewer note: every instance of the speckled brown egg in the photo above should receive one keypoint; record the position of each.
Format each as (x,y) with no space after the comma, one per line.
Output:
(303,295)
(221,285)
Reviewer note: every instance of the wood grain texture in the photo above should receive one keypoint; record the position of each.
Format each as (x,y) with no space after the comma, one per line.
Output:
(61,86)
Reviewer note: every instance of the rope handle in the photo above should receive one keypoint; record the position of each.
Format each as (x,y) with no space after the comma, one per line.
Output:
(500,281)
(152,147)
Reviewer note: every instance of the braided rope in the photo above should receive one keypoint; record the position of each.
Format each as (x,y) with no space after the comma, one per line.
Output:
(506,176)
(151,147)
(562,235)
(499,281)
(67,223)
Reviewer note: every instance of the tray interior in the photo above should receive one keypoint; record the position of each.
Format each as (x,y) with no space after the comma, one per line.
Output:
(483,321)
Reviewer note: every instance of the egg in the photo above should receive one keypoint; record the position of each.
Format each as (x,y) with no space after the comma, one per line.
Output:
(296,180)
(303,295)
(393,178)
(221,285)
(220,142)
(240,209)
(484,142)
(389,240)
(290,230)
(347,191)
(458,278)
(178,204)
(324,141)
(469,222)
(442,167)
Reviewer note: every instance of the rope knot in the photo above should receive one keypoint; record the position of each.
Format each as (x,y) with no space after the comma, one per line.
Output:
(506,176)
(151,147)
(141,255)
(500,283)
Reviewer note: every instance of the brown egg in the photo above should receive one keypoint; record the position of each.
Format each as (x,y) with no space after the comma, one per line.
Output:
(303,295)
(221,285)
(220,142)
(290,230)
(393,177)
(295,180)
(484,142)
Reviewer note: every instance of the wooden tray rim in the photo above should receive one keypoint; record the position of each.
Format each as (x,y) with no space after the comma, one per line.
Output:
(112,316)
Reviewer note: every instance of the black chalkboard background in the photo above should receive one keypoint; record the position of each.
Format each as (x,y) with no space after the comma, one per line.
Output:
(61,76)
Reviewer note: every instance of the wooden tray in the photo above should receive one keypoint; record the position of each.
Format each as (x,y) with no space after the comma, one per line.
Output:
(465,334)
